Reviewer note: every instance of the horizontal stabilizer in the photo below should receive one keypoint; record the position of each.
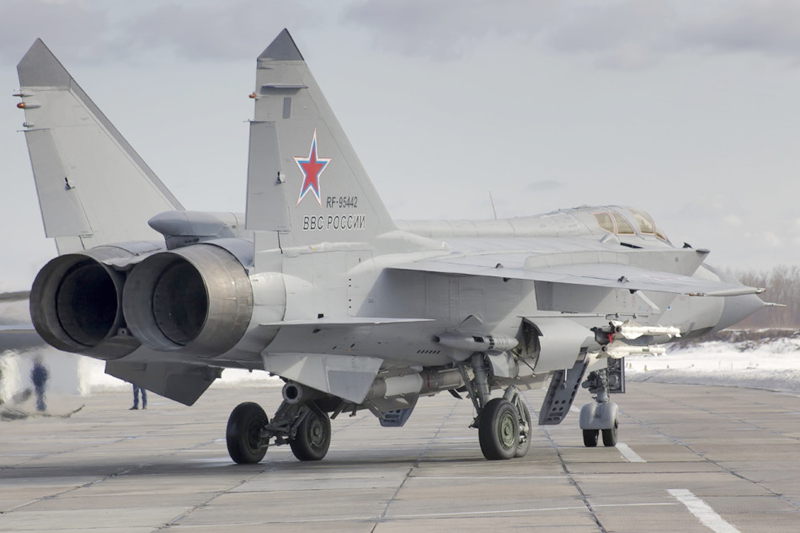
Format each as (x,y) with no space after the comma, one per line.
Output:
(19,338)
(181,382)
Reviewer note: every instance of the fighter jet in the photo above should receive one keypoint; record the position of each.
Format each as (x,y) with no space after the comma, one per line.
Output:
(317,284)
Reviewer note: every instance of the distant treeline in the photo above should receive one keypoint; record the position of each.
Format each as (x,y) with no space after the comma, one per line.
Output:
(783,287)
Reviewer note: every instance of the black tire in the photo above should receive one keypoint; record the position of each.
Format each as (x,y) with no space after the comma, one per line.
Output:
(498,430)
(610,435)
(524,443)
(591,437)
(243,434)
(313,436)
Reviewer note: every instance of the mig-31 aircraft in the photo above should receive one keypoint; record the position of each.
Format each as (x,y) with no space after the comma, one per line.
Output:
(317,284)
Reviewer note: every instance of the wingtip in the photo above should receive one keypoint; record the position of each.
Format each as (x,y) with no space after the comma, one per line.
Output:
(282,48)
(39,67)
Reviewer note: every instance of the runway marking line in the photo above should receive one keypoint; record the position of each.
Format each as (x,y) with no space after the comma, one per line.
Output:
(484,477)
(515,511)
(629,455)
(702,511)
(494,512)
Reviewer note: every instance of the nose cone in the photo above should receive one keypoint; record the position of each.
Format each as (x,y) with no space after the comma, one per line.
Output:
(737,308)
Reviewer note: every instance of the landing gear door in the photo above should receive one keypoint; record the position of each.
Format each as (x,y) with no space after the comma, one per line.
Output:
(616,376)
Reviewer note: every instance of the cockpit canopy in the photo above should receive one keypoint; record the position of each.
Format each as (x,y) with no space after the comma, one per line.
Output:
(628,221)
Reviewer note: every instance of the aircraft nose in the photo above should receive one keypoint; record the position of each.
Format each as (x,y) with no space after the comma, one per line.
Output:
(737,308)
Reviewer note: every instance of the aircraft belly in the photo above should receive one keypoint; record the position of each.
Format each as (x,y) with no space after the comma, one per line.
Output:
(345,376)
(396,343)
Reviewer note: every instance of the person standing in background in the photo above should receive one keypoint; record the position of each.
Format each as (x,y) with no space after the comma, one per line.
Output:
(136,390)
(39,375)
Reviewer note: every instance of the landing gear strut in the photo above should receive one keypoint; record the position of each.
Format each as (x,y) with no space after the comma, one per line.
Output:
(504,424)
(599,417)
(303,426)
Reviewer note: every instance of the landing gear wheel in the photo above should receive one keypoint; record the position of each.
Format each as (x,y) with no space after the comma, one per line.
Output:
(498,430)
(524,434)
(243,434)
(590,437)
(610,435)
(313,435)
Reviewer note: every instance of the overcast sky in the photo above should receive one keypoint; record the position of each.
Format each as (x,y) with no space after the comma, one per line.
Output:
(688,110)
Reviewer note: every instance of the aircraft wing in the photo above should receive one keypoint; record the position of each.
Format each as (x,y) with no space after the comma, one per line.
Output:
(602,273)
(15,333)
(19,338)
(346,322)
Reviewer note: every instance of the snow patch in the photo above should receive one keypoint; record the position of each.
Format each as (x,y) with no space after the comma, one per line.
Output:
(771,365)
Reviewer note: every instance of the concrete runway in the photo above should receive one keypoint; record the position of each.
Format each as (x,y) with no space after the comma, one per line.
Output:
(694,459)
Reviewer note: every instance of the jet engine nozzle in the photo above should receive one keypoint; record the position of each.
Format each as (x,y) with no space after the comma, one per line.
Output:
(75,304)
(197,298)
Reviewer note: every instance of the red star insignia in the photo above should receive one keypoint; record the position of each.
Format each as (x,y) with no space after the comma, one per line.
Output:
(312,168)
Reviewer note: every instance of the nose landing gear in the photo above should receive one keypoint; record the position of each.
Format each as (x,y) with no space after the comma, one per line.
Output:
(599,417)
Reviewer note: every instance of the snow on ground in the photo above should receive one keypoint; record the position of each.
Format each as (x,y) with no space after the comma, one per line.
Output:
(773,365)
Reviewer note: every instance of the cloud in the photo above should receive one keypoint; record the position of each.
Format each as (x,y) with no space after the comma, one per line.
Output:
(622,34)
(93,32)
(77,30)
(446,29)
(619,34)
(221,30)
(769,27)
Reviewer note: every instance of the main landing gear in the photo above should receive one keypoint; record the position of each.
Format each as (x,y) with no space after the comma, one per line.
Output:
(243,435)
(504,429)
(504,424)
(304,426)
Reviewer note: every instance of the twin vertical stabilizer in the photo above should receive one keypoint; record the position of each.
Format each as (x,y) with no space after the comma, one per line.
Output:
(93,187)
(305,181)
(304,178)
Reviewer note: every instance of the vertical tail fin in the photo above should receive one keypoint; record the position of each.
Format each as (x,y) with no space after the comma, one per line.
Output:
(93,187)
(304,178)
